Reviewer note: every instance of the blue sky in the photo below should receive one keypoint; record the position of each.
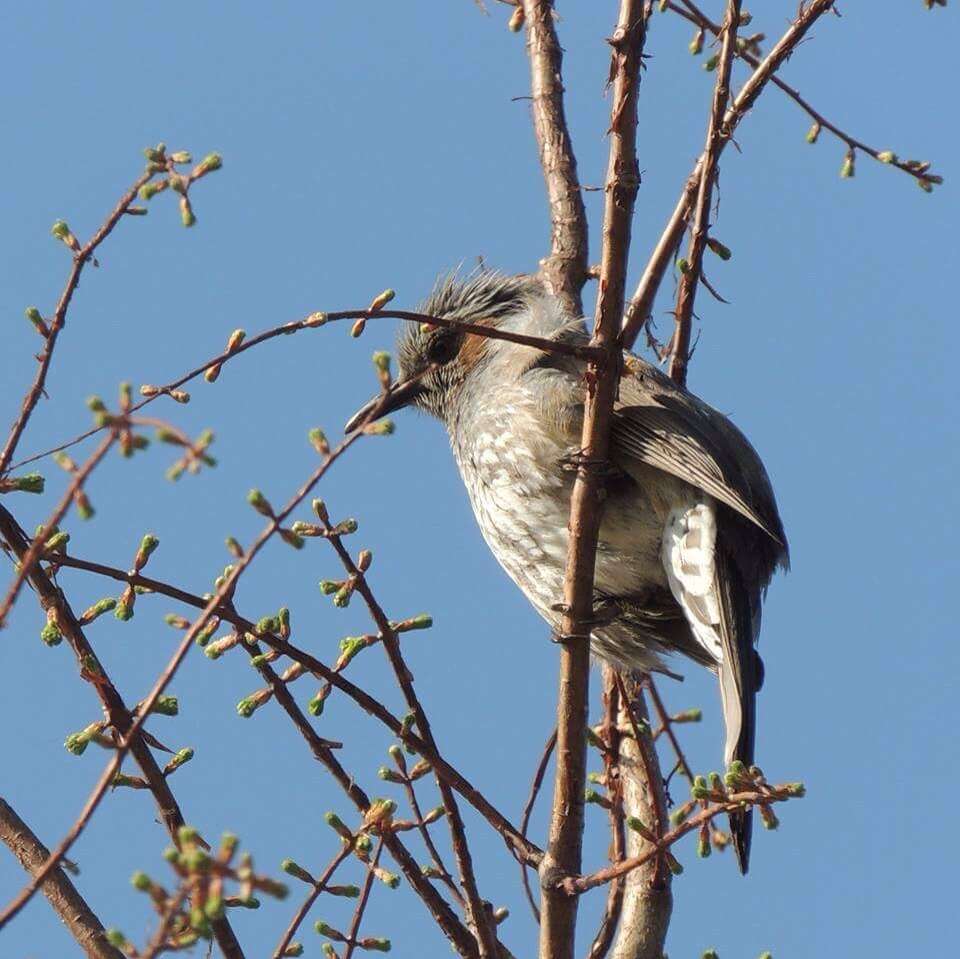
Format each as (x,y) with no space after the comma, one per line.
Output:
(368,147)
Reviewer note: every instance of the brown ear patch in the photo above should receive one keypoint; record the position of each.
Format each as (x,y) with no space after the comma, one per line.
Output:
(474,346)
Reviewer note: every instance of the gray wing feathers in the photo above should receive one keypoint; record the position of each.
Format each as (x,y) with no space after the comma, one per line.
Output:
(665,427)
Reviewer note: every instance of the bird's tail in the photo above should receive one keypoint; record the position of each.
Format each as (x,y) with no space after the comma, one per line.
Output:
(740,678)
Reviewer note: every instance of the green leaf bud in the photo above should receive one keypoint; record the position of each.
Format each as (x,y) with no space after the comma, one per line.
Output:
(347,892)
(318,440)
(260,503)
(374,944)
(292,868)
(211,162)
(180,758)
(717,247)
(166,706)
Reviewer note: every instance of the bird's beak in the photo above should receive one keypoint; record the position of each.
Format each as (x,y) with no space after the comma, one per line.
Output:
(396,398)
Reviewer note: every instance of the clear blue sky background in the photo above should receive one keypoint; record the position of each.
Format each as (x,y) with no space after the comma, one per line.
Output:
(376,145)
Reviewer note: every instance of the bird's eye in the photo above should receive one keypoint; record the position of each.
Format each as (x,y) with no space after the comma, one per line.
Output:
(442,350)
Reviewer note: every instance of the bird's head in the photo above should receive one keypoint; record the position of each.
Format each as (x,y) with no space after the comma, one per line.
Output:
(436,363)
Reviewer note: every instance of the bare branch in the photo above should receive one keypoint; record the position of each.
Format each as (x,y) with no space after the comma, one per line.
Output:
(163,680)
(565,269)
(476,913)
(914,169)
(307,903)
(68,904)
(29,560)
(118,715)
(641,305)
(521,847)
(558,917)
(648,900)
(527,812)
(321,319)
(709,171)
(81,257)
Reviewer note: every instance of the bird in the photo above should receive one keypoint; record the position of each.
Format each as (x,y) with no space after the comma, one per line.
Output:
(690,536)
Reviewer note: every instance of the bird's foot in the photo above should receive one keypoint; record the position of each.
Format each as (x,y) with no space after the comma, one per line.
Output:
(605,611)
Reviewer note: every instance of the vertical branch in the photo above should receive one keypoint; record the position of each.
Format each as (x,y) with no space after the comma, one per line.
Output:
(716,134)
(563,856)
(610,734)
(565,269)
(68,904)
(647,900)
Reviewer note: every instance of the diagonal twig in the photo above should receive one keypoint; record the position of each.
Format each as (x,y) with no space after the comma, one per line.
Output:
(640,307)
(709,171)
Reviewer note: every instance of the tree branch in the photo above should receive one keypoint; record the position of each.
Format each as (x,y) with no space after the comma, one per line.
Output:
(694,15)
(640,308)
(68,904)
(565,269)
(521,847)
(117,713)
(124,745)
(563,856)
(82,256)
(648,900)
(709,171)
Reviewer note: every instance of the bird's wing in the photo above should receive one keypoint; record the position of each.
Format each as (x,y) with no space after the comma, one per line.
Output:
(663,426)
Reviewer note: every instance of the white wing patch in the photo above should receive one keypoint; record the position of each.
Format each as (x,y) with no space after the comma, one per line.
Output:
(689,559)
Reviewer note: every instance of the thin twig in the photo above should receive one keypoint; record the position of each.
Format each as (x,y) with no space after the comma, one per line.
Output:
(225,590)
(457,934)
(116,711)
(695,15)
(709,171)
(477,914)
(521,847)
(59,319)
(576,885)
(361,906)
(312,322)
(428,842)
(611,764)
(548,749)
(640,307)
(307,904)
(28,561)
